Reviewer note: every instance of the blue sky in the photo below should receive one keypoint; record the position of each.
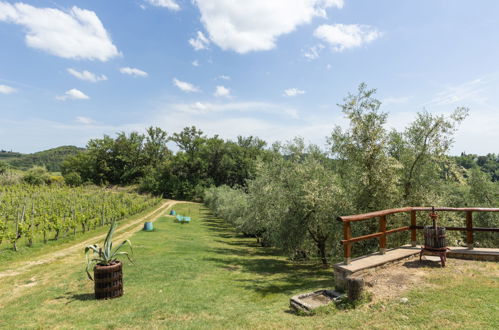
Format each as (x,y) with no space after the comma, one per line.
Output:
(75,70)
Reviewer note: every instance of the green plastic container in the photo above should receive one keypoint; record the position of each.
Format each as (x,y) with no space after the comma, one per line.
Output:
(148,226)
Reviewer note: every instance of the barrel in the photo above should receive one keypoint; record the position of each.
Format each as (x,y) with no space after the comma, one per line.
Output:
(108,281)
(434,239)
(148,226)
(172,212)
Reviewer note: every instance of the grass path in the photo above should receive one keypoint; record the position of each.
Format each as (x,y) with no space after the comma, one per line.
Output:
(204,276)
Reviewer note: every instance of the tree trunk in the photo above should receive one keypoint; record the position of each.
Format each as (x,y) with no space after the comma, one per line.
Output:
(321,245)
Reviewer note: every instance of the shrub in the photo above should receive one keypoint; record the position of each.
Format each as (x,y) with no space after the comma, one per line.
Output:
(73,179)
(37,176)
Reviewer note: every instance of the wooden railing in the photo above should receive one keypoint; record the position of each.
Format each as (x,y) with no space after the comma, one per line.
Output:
(383,233)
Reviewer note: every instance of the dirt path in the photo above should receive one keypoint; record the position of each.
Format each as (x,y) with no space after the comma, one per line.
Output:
(123,233)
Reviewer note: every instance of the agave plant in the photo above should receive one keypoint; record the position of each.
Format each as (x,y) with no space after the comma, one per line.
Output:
(106,255)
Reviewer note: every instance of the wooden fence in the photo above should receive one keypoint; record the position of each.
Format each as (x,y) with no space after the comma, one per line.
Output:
(383,233)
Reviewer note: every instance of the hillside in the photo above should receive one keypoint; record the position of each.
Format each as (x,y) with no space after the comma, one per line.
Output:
(51,158)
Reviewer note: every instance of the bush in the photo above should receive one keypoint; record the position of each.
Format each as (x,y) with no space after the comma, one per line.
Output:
(37,176)
(73,179)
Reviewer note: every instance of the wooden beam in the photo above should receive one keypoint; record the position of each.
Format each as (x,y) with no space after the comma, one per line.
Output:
(469,229)
(413,228)
(365,216)
(347,235)
(382,239)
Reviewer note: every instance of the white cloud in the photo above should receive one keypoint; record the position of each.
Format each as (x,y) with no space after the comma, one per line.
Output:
(86,75)
(245,26)
(329,67)
(77,33)
(341,36)
(470,91)
(201,42)
(223,77)
(195,63)
(85,120)
(222,91)
(185,86)
(293,92)
(313,52)
(4,89)
(170,4)
(133,72)
(208,108)
(73,94)
(395,100)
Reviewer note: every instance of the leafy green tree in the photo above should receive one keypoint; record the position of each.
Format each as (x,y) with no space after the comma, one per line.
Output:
(155,147)
(421,149)
(73,179)
(368,171)
(294,201)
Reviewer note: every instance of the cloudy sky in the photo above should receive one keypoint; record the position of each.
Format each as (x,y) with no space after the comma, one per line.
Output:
(75,70)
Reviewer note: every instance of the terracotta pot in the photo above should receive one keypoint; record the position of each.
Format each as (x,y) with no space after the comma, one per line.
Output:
(108,281)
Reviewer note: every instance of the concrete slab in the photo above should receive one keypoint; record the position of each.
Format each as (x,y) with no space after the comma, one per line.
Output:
(486,254)
(342,271)
(377,259)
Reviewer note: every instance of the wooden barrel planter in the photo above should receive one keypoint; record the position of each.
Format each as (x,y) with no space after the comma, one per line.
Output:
(108,281)
(434,237)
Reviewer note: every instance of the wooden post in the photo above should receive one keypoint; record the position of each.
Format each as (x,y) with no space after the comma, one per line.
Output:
(347,235)
(469,229)
(382,229)
(413,228)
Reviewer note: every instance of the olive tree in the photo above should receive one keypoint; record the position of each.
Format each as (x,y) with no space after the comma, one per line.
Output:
(295,201)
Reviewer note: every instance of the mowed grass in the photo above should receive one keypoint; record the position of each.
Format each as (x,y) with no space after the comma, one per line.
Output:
(203,275)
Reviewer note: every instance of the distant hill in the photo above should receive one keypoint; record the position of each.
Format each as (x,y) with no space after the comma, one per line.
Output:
(6,155)
(51,158)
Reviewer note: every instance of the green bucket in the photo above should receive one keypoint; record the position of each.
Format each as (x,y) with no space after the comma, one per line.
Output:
(148,226)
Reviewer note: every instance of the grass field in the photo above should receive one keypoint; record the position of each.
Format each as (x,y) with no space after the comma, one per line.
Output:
(203,275)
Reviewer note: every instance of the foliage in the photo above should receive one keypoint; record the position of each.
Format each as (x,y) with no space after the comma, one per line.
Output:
(297,191)
(50,159)
(421,150)
(106,255)
(488,163)
(200,162)
(365,166)
(37,175)
(229,204)
(73,179)
(3,167)
(291,204)
(33,213)
(123,160)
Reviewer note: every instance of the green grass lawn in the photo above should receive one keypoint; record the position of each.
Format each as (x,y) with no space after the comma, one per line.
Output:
(203,275)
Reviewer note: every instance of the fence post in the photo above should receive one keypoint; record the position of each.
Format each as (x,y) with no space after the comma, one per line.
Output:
(347,235)
(413,228)
(469,229)
(382,239)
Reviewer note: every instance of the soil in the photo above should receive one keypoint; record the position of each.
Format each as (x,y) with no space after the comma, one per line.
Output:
(394,280)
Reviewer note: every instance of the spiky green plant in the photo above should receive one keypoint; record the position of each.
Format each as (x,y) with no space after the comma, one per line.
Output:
(106,255)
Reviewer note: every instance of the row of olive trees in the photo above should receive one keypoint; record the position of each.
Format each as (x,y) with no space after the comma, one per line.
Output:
(296,195)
